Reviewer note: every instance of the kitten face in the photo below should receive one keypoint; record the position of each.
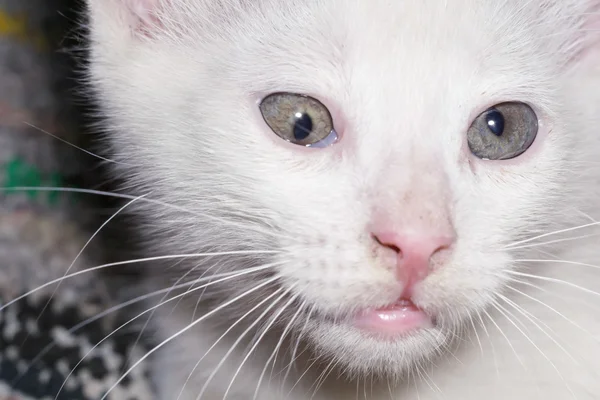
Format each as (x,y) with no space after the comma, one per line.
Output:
(403,83)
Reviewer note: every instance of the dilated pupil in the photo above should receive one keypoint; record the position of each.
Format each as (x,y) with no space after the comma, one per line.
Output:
(303,126)
(495,122)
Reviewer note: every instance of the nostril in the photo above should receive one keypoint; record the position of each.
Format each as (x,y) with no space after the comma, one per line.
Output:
(387,244)
(447,244)
(441,254)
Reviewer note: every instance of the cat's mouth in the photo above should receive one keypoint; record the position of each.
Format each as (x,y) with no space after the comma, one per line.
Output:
(398,319)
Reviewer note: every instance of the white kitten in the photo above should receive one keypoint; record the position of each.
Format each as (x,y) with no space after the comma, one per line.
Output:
(382,173)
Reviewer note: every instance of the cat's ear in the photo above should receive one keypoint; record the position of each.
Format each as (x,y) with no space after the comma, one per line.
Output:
(126,17)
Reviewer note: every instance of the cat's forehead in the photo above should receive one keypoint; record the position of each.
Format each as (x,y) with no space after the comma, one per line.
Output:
(363,47)
(340,31)
(403,30)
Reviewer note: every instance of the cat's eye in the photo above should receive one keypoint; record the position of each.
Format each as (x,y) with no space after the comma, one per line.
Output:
(503,132)
(299,119)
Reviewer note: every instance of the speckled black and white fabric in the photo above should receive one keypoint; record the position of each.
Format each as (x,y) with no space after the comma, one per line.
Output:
(41,349)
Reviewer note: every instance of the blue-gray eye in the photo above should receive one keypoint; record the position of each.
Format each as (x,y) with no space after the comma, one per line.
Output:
(298,119)
(503,132)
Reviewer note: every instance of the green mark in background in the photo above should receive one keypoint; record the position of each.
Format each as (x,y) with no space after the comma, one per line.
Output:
(18,173)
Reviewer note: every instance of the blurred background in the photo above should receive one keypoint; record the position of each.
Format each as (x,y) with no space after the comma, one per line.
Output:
(47,219)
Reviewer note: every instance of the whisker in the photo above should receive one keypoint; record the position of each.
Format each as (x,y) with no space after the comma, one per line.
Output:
(549,308)
(239,339)
(157,258)
(187,328)
(88,191)
(491,345)
(529,284)
(199,300)
(91,320)
(430,379)
(547,253)
(293,356)
(580,264)
(198,280)
(554,280)
(569,239)
(587,216)
(145,312)
(73,145)
(323,376)
(265,330)
(515,320)
(173,287)
(551,233)
(503,311)
(506,338)
(81,252)
(476,335)
(277,347)
(416,384)
(131,197)
(188,272)
(553,294)
(301,376)
(234,274)
(531,318)
(423,376)
(229,329)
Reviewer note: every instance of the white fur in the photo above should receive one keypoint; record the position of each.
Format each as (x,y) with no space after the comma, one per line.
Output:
(179,82)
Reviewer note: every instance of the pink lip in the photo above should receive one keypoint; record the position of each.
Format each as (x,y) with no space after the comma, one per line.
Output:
(396,319)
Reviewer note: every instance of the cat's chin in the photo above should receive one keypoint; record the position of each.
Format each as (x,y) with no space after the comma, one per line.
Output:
(386,342)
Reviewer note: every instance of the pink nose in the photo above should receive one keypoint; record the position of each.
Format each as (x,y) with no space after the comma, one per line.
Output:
(414,252)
